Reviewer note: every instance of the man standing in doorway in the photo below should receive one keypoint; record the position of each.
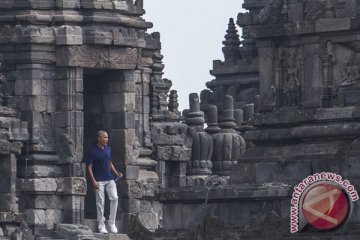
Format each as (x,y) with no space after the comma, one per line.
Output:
(101,172)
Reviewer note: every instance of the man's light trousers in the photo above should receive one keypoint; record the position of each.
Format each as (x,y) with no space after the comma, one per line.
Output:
(110,188)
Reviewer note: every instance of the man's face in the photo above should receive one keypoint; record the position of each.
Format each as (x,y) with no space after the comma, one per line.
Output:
(103,139)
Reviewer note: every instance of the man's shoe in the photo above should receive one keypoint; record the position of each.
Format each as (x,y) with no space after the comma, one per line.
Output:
(102,230)
(113,228)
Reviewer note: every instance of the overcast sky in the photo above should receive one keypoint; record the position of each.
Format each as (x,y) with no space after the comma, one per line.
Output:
(191,33)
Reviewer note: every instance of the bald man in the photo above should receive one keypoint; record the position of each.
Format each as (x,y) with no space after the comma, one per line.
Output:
(102,172)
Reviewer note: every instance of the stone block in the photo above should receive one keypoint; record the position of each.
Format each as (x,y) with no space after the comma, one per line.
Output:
(76,169)
(73,202)
(69,35)
(129,188)
(72,185)
(46,202)
(121,5)
(149,189)
(173,153)
(99,37)
(28,87)
(130,205)
(67,4)
(115,102)
(122,120)
(148,176)
(123,144)
(265,172)
(35,216)
(332,24)
(243,173)
(44,185)
(130,172)
(149,220)
(35,34)
(68,119)
(176,181)
(52,217)
(37,103)
(10,217)
(72,216)
(117,86)
(8,203)
(165,139)
(41,171)
(70,102)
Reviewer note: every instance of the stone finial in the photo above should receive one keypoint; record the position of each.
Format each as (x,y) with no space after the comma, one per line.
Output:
(249,111)
(173,102)
(194,102)
(195,117)
(227,116)
(239,117)
(231,44)
(213,126)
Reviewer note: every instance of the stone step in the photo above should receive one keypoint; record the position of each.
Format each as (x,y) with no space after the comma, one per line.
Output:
(111,236)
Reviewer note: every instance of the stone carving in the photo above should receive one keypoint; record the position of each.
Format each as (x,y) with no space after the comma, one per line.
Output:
(163,104)
(200,142)
(271,13)
(228,144)
(287,76)
(329,60)
(350,73)
(173,102)
(97,57)
(65,146)
(314,9)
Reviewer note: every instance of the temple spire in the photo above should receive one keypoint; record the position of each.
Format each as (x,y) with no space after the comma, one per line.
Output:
(231,43)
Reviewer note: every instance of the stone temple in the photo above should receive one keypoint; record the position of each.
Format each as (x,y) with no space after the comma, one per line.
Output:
(284,104)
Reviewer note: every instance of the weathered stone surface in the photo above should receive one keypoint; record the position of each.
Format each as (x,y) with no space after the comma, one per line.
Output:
(97,57)
(46,185)
(130,172)
(72,185)
(74,232)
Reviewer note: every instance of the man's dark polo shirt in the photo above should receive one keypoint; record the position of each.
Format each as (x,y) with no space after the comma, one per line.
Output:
(100,160)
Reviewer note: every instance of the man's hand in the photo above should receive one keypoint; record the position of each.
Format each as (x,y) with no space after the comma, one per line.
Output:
(95,185)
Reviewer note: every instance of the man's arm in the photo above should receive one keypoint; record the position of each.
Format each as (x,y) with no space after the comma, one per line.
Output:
(91,174)
(119,174)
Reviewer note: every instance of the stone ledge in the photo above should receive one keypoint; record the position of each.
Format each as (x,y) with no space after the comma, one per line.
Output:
(296,116)
(69,16)
(226,193)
